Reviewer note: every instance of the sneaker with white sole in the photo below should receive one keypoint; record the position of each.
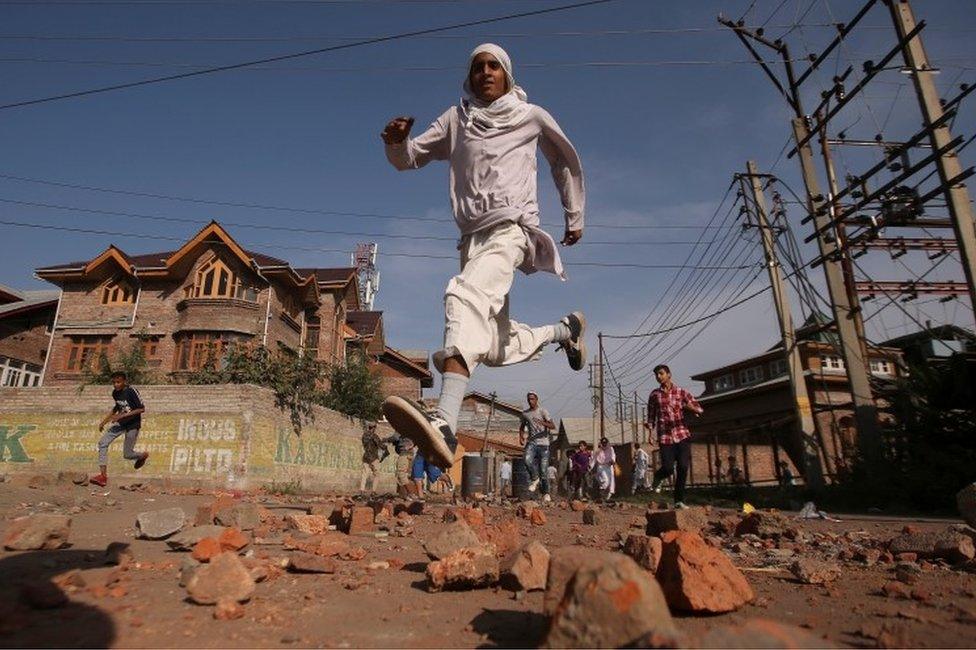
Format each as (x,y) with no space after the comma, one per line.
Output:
(575,347)
(533,485)
(430,432)
(546,498)
(680,505)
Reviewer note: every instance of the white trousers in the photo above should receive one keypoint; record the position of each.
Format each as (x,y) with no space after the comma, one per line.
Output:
(477,326)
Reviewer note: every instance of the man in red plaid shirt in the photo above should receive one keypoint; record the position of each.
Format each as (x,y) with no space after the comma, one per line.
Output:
(665,415)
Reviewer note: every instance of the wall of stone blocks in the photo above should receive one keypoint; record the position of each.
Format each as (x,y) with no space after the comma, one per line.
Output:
(226,436)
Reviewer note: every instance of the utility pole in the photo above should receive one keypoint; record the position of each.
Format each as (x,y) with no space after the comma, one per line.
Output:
(820,210)
(865,410)
(846,263)
(599,337)
(956,194)
(805,431)
(623,405)
(637,420)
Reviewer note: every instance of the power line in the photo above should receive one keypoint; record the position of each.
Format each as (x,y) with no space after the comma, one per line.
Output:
(335,37)
(386,68)
(296,55)
(297,210)
(674,278)
(452,258)
(296,229)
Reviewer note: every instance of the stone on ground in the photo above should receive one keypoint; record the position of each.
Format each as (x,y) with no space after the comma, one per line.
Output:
(185,540)
(224,578)
(768,525)
(537,517)
(467,568)
(452,537)
(243,516)
(966,502)
(577,506)
(228,610)
(306,563)
(610,606)
(563,564)
(206,549)
(232,539)
(644,549)
(310,524)
(525,509)
(37,532)
(949,544)
(160,524)
(761,633)
(504,535)
(527,568)
(360,520)
(815,572)
(188,567)
(589,517)
(661,521)
(119,553)
(698,578)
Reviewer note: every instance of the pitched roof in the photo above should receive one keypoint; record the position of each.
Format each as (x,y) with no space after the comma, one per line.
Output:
(158,260)
(941,332)
(31,300)
(364,322)
(420,371)
(330,276)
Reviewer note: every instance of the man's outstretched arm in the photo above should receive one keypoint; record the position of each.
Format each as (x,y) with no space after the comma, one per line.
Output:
(405,153)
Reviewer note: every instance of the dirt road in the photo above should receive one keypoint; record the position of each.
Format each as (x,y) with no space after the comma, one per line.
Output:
(382,600)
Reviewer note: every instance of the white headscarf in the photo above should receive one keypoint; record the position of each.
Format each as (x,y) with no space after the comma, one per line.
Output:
(508,110)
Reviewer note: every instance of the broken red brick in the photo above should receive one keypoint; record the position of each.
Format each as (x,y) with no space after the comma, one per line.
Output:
(698,578)
(207,549)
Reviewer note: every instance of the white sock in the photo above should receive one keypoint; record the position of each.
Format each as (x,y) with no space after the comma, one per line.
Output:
(560,332)
(453,386)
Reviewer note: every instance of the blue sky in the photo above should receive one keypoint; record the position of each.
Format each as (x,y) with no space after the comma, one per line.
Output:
(660,134)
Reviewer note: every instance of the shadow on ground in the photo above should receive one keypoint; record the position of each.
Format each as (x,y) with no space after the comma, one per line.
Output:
(73,625)
(509,628)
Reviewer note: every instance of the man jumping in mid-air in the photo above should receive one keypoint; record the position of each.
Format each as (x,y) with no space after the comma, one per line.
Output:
(490,140)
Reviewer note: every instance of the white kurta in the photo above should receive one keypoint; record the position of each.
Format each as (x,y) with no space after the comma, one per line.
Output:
(493,196)
(493,176)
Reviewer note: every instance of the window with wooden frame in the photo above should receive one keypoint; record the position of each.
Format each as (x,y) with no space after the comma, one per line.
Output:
(750,375)
(150,349)
(118,292)
(194,350)
(312,329)
(723,382)
(85,350)
(215,279)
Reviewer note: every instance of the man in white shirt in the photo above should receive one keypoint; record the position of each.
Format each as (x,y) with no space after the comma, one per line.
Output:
(641,462)
(491,141)
(504,477)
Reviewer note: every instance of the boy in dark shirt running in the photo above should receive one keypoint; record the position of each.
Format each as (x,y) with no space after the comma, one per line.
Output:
(126,418)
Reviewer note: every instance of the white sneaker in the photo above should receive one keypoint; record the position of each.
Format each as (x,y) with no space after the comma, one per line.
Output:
(546,498)
(680,505)
(533,485)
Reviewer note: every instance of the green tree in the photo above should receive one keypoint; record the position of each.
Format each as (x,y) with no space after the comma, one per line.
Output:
(129,359)
(354,390)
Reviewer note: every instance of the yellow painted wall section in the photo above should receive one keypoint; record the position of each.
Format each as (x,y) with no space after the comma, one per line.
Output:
(232,436)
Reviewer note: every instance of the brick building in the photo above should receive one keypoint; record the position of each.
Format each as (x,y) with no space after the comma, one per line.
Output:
(749,412)
(182,306)
(25,332)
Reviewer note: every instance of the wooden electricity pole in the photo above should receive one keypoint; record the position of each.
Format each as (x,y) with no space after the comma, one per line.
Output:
(599,337)
(805,433)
